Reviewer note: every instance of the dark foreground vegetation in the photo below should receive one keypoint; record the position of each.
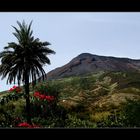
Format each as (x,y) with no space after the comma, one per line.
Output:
(101,100)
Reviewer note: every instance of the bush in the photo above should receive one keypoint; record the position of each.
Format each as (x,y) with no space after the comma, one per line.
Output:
(49,122)
(99,116)
(128,116)
(74,122)
(11,115)
(45,101)
(132,113)
(49,88)
(113,120)
(10,97)
(85,83)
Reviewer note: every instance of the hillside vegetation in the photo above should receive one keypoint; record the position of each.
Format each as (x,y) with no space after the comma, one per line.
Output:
(103,99)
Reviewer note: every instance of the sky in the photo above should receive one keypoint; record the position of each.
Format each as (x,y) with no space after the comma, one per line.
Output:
(72,33)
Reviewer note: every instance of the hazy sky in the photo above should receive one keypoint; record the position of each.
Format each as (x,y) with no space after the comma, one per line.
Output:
(71,33)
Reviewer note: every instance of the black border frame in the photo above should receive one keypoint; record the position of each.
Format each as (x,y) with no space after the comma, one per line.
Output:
(70,6)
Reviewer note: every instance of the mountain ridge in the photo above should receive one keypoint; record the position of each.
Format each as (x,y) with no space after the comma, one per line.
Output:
(86,63)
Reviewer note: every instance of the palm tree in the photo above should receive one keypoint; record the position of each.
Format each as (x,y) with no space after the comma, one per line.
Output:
(24,61)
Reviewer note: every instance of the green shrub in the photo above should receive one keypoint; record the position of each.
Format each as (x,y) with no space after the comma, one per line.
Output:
(132,90)
(113,120)
(48,88)
(128,116)
(132,113)
(85,83)
(43,107)
(11,114)
(99,116)
(74,122)
(49,122)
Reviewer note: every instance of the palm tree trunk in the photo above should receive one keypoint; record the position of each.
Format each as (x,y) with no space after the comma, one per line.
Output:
(27,97)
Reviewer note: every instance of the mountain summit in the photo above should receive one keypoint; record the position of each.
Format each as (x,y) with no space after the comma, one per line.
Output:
(89,63)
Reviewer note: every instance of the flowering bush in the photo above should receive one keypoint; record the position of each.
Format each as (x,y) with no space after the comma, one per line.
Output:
(44,100)
(43,104)
(43,97)
(13,96)
(15,89)
(25,124)
(48,88)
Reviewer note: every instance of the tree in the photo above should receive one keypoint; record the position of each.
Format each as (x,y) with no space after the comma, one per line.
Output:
(24,61)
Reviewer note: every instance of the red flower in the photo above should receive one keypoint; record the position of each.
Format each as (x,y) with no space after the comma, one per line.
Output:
(14,86)
(43,97)
(50,98)
(15,89)
(11,89)
(36,94)
(24,124)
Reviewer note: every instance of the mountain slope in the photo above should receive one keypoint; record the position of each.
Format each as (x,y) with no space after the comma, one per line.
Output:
(88,63)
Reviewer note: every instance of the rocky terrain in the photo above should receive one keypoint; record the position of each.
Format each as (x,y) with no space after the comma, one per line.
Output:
(89,63)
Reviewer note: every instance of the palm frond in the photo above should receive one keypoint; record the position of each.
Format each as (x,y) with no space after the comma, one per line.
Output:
(29,55)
